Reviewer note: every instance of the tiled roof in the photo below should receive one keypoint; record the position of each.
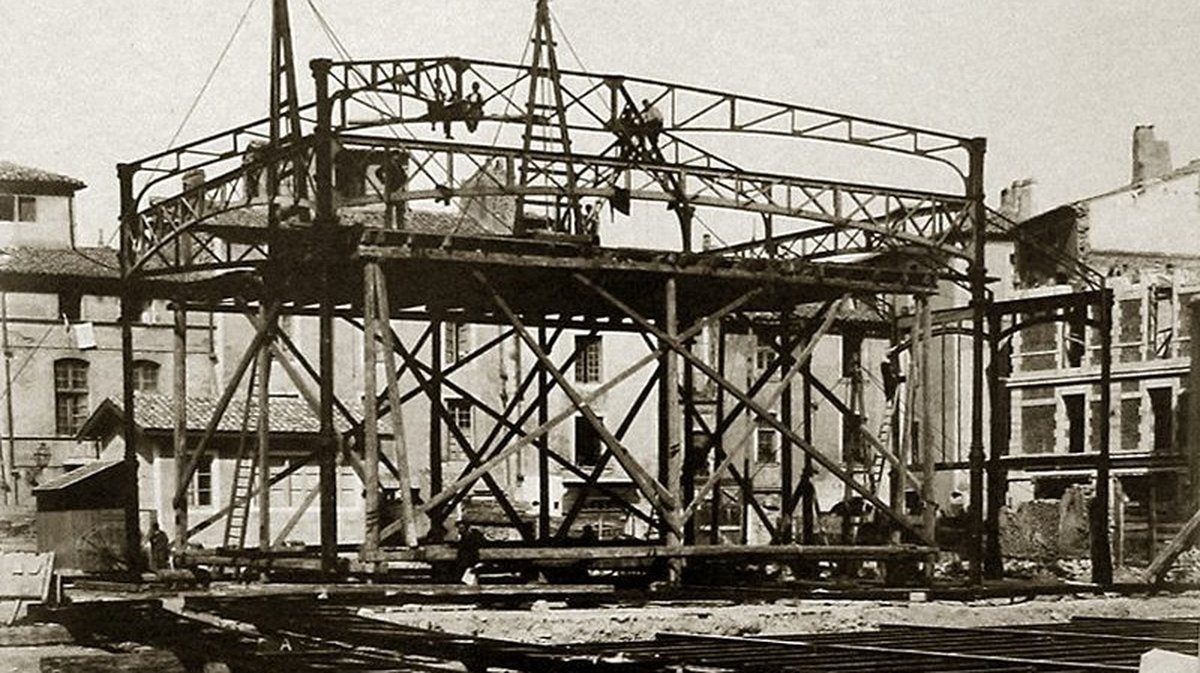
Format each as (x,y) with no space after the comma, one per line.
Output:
(10,172)
(155,412)
(83,262)
(77,475)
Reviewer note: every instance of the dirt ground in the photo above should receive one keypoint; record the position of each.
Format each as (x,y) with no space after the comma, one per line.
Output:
(547,623)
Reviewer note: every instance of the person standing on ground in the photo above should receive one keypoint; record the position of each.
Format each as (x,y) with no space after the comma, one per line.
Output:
(159,547)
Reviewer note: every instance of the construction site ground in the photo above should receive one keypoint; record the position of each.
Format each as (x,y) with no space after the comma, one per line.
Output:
(470,611)
(547,623)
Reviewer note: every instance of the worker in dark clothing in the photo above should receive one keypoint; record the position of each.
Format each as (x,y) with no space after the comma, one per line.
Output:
(159,548)
(625,127)
(470,541)
(437,106)
(652,123)
(474,111)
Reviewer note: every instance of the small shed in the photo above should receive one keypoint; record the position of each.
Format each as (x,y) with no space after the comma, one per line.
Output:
(81,517)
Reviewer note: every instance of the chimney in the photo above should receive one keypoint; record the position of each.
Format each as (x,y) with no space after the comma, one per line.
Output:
(1151,158)
(1016,200)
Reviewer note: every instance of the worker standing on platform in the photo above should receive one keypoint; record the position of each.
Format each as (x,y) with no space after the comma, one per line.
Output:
(474,111)
(652,123)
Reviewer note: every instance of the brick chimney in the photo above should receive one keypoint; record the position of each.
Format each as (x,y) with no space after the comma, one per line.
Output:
(1016,200)
(1151,158)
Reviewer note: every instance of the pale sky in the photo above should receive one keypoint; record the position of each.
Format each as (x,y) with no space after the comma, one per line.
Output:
(1056,86)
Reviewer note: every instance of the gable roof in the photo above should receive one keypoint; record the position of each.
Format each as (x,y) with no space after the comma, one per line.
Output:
(77,475)
(80,262)
(155,413)
(37,180)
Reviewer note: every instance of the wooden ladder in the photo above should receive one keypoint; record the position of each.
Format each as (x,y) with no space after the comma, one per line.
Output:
(245,468)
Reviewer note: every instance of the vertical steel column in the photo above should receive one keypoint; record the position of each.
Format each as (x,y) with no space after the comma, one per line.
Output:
(978,277)
(133,535)
(673,427)
(325,223)
(263,380)
(543,442)
(179,440)
(370,415)
(1102,571)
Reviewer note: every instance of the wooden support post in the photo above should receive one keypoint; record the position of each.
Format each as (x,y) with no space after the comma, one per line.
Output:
(326,223)
(928,455)
(691,451)
(851,435)
(1152,516)
(264,436)
(1192,447)
(129,302)
(1102,572)
(674,429)
(543,442)
(437,517)
(9,451)
(383,315)
(808,491)
(179,438)
(978,281)
(896,482)
(370,305)
(718,440)
(787,477)
(997,474)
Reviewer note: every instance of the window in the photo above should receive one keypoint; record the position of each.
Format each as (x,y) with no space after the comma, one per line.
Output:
(18,208)
(1075,431)
(456,341)
(70,395)
(587,442)
(1162,321)
(1160,407)
(1131,421)
(145,376)
(70,305)
(202,481)
(460,414)
(1075,341)
(764,353)
(587,361)
(766,443)
(1037,428)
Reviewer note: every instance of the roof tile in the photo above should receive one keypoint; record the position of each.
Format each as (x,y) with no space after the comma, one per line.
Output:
(10,172)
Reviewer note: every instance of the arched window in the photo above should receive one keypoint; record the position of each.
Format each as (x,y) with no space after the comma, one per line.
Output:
(70,395)
(145,376)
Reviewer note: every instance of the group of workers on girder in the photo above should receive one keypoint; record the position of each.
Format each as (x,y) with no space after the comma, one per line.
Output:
(453,107)
(637,130)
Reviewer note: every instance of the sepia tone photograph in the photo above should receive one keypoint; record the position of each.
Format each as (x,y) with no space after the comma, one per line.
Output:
(599,336)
